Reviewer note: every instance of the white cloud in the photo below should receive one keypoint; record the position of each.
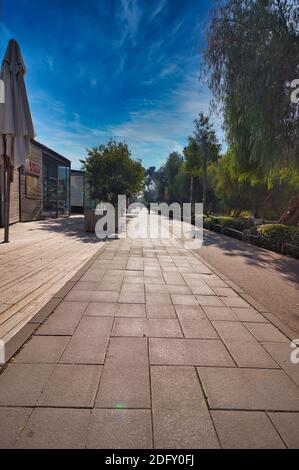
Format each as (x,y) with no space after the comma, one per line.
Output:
(129,17)
(153,129)
(158,9)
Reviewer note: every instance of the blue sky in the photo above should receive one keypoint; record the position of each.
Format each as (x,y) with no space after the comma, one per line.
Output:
(122,69)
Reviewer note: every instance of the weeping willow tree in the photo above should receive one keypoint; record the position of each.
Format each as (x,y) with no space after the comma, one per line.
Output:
(251,58)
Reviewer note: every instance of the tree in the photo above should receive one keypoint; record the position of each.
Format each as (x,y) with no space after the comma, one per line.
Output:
(172,169)
(251,57)
(237,192)
(161,184)
(150,189)
(203,149)
(110,171)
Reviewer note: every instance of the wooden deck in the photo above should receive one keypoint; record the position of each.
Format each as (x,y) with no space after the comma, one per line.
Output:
(40,258)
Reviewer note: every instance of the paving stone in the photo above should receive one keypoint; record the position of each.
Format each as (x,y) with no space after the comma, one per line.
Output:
(12,421)
(42,349)
(92,296)
(132,288)
(246,430)
(71,386)
(160,311)
(64,320)
(134,280)
(152,328)
(153,272)
(93,275)
(233,331)
(201,328)
(191,312)
(209,301)
(249,389)
(98,309)
(160,288)
(173,278)
(158,299)
(86,285)
(180,415)
(191,352)
(128,351)
(287,425)
(132,297)
(266,332)
(200,288)
(221,313)
(250,354)
(120,429)
(22,384)
(89,342)
(215,282)
(54,428)
(181,299)
(109,285)
(225,292)
(235,302)
(153,280)
(116,274)
(135,274)
(124,386)
(281,352)
(249,315)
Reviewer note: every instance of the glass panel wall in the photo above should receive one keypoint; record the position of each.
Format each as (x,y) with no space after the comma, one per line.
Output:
(63,190)
(50,194)
(56,188)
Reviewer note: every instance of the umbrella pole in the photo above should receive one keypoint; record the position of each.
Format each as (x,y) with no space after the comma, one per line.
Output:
(6,194)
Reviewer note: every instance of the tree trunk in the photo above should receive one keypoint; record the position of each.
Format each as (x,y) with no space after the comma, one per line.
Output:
(291,215)
(191,189)
(205,182)
(267,198)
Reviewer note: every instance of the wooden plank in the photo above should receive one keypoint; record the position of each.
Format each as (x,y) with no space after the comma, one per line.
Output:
(36,265)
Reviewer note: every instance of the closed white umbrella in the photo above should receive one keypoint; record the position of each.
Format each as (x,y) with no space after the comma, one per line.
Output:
(16,127)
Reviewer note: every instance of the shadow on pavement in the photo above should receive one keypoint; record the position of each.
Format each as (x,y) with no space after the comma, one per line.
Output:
(253,255)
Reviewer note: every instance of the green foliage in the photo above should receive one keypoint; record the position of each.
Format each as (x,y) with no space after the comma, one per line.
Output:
(149,192)
(251,57)
(110,171)
(237,192)
(274,237)
(235,223)
(202,150)
(173,166)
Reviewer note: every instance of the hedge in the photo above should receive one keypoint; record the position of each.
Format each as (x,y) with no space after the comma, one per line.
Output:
(228,222)
(275,237)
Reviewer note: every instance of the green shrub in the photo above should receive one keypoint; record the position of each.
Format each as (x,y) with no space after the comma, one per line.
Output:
(276,237)
(207,221)
(233,222)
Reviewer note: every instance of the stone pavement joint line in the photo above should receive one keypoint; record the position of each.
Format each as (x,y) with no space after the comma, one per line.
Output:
(151,349)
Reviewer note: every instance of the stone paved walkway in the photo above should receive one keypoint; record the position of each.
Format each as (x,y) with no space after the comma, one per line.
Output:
(151,349)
